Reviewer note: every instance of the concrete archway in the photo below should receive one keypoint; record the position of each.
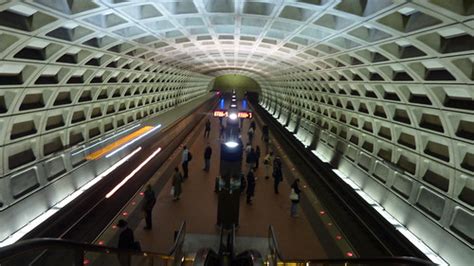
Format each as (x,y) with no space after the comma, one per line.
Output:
(241,83)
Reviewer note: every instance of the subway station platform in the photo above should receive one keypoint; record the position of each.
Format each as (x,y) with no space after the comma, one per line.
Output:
(198,207)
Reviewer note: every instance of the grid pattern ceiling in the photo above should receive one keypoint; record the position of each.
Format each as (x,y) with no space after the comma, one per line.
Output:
(363,68)
(210,35)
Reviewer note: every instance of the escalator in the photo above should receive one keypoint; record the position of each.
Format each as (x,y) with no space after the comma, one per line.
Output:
(46,252)
(226,255)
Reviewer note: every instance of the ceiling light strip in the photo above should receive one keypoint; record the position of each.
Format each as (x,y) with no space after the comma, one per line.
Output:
(47,214)
(104,140)
(134,140)
(111,193)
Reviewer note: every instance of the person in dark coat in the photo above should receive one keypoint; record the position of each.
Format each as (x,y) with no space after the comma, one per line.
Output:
(277,173)
(295,199)
(149,201)
(185,161)
(265,132)
(207,129)
(126,241)
(207,157)
(251,159)
(257,155)
(250,134)
(266,137)
(176,182)
(250,186)
(253,125)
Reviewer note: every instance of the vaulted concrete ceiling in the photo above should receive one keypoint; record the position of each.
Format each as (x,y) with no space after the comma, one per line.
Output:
(396,72)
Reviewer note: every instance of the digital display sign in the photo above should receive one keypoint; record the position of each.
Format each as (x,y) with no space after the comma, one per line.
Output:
(220,113)
(240,114)
(244,114)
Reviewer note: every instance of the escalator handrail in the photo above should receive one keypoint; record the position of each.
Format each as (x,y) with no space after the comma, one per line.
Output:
(179,241)
(202,256)
(254,255)
(221,235)
(44,243)
(273,242)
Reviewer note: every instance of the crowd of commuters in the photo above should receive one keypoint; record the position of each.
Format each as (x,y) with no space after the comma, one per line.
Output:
(272,166)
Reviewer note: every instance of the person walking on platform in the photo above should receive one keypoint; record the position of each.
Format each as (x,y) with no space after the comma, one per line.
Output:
(251,159)
(177,180)
(186,157)
(250,186)
(207,157)
(277,173)
(266,137)
(250,134)
(268,162)
(207,129)
(295,197)
(148,203)
(258,154)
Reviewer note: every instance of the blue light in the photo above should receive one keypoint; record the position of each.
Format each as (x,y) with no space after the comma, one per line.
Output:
(244,104)
(221,104)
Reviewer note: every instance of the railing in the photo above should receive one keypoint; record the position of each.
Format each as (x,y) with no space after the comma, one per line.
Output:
(274,255)
(49,251)
(275,258)
(176,250)
(52,251)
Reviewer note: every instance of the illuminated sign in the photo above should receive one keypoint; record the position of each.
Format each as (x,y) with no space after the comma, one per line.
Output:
(220,113)
(240,114)
(244,114)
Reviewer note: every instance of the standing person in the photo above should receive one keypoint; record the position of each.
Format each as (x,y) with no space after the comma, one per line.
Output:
(126,241)
(250,186)
(248,148)
(253,125)
(177,180)
(207,157)
(264,131)
(221,132)
(251,159)
(277,173)
(207,129)
(257,153)
(265,137)
(185,161)
(250,134)
(268,162)
(295,197)
(148,203)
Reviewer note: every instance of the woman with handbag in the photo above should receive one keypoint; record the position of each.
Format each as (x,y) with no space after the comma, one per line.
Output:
(295,197)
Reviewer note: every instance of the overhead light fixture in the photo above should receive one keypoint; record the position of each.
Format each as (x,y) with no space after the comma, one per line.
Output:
(117,187)
(231,144)
(233,105)
(233,116)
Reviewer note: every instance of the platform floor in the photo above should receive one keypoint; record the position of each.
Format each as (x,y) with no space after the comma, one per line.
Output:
(198,207)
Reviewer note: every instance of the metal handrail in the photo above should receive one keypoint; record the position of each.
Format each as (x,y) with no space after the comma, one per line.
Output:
(275,252)
(179,241)
(27,245)
(232,247)
(276,256)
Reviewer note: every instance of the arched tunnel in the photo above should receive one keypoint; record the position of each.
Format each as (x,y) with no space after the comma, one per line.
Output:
(380,90)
